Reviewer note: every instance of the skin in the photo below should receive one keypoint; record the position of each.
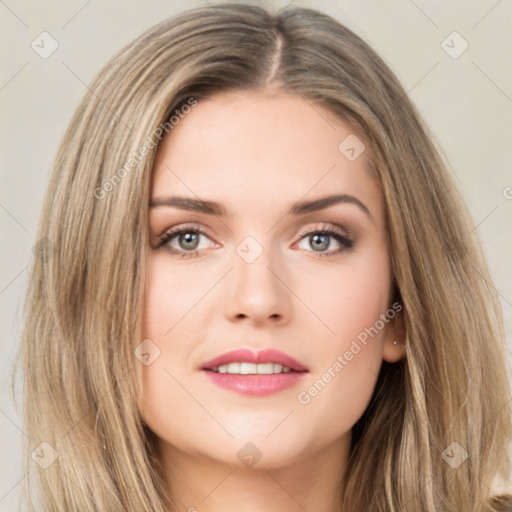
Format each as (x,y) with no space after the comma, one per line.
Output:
(257,153)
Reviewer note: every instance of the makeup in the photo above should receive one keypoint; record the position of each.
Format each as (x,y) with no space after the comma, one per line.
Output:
(250,373)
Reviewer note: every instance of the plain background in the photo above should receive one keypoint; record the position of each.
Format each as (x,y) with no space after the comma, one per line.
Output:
(466,101)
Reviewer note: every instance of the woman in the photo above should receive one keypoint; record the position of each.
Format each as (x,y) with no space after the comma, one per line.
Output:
(259,288)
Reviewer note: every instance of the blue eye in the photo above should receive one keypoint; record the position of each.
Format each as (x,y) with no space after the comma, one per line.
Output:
(320,239)
(189,238)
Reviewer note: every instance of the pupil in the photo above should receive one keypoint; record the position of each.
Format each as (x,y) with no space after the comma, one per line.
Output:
(323,245)
(191,238)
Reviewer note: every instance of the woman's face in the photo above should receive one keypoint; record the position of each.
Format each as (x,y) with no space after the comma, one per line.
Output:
(252,271)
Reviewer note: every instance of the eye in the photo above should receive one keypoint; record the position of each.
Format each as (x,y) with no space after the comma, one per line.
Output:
(184,241)
(320,239)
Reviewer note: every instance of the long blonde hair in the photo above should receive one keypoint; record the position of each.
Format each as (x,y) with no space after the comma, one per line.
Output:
(85,292)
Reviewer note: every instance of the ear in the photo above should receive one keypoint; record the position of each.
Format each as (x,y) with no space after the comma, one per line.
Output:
(393,348)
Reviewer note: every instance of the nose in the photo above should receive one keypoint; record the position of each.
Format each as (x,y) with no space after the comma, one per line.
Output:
(257,293)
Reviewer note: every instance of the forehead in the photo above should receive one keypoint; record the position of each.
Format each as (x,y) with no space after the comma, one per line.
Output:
(248,148)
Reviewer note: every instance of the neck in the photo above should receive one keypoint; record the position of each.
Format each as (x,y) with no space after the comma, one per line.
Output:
(200,484)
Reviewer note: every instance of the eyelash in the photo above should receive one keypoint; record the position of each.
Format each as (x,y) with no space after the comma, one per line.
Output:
(346,243)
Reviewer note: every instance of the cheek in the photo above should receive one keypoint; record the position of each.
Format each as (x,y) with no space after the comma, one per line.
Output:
(349,301)
(165,304)
(348,355)
(338,397)
(174,305)
(168,296)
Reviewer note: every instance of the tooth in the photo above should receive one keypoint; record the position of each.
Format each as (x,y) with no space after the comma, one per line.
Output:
(233,368)
(265,369)
(246,368)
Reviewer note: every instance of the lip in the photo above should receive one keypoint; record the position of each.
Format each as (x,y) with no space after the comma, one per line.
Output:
(255,385)
(262,356)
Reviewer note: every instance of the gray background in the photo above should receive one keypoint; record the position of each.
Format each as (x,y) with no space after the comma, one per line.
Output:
(467,102)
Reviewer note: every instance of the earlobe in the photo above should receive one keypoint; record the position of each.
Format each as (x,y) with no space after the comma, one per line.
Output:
(393,349)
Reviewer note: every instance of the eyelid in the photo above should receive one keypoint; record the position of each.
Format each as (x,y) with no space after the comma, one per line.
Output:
(175,230)
(334,231)
(324,226)
(341,235)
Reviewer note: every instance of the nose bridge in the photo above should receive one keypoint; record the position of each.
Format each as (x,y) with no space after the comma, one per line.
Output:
(257,290)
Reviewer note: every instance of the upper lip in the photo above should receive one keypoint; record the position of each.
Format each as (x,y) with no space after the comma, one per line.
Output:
(259,357)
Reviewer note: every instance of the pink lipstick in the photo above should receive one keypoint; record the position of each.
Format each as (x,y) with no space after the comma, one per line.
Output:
(254,373)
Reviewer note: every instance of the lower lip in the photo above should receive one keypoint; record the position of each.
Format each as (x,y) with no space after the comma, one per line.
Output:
(255,385)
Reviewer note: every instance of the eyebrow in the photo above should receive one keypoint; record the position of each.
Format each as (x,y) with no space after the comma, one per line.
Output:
(299,208)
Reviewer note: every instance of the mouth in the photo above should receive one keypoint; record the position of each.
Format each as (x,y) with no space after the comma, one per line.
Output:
(254,373)
(244,368)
